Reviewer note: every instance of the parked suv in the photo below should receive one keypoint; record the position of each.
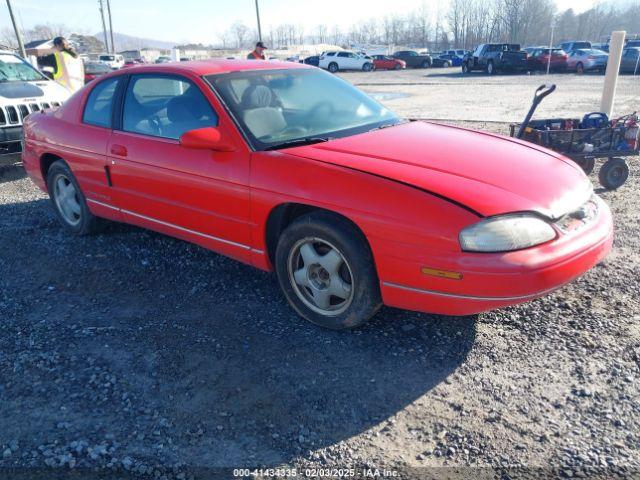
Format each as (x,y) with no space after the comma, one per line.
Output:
(496,57)
(116,62)
(335,61)
(414,59)
(23,90)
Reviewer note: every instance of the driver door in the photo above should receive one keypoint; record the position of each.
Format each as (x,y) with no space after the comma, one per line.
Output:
(199,195)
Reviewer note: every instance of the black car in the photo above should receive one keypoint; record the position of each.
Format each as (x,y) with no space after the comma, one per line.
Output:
(313,60)
(413,59)
(496,57)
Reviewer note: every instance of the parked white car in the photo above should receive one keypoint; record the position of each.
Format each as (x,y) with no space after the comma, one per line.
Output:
(335,61)
(115,61)
(23,90)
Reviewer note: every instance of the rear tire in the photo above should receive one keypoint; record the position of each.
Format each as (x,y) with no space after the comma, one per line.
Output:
(490,68)
(397,67)
(579,68)
(613,173)
(69,202)
(326,271)
(333,67)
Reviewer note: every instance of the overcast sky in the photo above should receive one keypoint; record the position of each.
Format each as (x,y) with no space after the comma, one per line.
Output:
(202,20)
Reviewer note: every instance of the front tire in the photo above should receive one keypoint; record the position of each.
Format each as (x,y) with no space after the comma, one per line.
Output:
(367,67)
(465,68)
(69,202)
(326,271)
(425,64)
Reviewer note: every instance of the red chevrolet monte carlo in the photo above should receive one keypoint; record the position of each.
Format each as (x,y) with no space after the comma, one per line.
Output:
(289,168)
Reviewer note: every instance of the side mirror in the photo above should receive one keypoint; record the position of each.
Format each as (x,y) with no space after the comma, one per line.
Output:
(48,72)
(208,138)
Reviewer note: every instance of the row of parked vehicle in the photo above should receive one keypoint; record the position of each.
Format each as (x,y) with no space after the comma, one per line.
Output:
(335,61)
(113,61)
(574,56)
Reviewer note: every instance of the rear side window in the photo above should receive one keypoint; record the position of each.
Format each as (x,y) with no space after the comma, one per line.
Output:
(99,106)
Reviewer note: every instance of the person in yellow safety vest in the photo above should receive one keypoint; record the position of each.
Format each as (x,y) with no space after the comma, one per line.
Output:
(258,53)
(69,68)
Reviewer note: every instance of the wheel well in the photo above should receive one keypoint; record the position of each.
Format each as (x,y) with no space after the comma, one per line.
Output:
(46,161)
(283,215)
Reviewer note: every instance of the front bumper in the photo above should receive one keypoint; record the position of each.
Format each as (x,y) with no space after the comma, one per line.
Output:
(10,145)
(491,281)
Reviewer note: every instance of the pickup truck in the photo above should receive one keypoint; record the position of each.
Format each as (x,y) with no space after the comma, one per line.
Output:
(413,59)
(496,57)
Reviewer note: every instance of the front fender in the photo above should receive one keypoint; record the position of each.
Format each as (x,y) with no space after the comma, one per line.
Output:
(392,215)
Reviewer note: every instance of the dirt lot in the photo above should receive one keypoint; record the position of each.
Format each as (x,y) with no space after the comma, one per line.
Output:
(134,353)
(440,93)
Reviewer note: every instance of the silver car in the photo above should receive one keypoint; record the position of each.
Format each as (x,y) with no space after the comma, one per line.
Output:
(587,59)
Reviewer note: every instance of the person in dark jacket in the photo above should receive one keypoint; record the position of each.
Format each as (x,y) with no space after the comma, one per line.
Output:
(258,52)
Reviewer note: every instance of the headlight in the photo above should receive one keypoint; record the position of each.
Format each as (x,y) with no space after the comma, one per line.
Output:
(506,233)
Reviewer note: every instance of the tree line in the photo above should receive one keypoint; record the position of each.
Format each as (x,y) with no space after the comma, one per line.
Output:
(463,24)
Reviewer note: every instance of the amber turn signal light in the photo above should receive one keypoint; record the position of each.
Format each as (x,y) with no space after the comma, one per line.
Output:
(441,273)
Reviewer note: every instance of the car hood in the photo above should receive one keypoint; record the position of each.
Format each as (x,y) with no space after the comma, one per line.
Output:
(25,92)
(484,172)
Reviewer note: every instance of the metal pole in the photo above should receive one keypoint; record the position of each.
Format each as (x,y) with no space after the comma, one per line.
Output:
(258,17)
(113,45)
(23,52)
(104,26)
(550,47)
(613,69)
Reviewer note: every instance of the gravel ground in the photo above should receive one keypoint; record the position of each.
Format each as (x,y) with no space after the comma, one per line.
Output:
(444,93)
(135,355)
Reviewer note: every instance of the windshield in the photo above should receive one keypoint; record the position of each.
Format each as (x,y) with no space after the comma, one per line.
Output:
(108,58)
(14,69)
(277,106)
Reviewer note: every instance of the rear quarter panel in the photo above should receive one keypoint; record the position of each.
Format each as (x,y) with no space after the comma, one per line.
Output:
(62,134)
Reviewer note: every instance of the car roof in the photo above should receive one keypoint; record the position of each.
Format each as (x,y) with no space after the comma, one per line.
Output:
(212,67)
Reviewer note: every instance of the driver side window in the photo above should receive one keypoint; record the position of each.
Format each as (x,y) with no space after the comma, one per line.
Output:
(165,106)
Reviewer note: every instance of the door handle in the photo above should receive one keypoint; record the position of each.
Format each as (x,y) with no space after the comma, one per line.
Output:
(119,150)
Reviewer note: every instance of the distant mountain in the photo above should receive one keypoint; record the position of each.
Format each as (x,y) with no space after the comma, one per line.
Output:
(129,42)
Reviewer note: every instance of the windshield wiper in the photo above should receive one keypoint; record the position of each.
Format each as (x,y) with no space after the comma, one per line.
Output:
(388,125)
(299,142)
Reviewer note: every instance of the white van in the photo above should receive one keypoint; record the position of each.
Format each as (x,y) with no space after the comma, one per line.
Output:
(115,61)
(23,90)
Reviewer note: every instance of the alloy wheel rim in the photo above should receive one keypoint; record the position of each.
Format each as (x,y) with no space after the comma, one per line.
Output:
(66,199)
(320,276)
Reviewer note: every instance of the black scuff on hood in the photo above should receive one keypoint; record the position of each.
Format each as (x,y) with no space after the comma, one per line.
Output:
(20,90)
